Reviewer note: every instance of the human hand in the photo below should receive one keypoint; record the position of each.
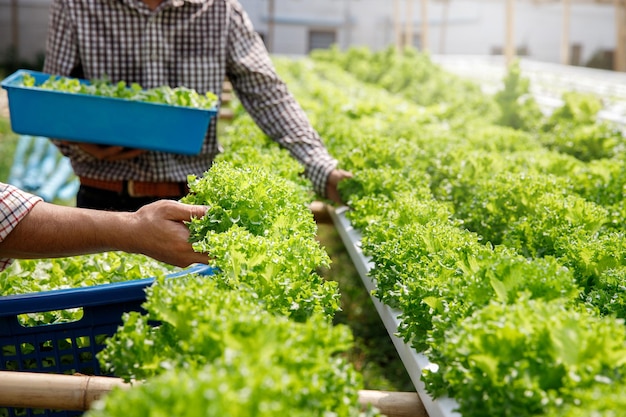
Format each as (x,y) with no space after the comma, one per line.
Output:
(109,153)
(159,232)
(334,178)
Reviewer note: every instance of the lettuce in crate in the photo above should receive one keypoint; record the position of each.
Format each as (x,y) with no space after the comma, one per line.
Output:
(26,276)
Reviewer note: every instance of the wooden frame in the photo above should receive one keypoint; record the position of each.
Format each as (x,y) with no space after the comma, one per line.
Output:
(620,29)
(509,49)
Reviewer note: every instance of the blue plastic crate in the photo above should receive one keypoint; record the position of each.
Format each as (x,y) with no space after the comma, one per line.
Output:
(68,348)
(103,120)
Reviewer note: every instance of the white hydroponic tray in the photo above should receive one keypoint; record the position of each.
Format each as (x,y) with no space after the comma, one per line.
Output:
(414,362)
(548,81)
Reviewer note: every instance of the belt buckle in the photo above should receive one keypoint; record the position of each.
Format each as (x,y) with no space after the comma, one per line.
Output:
(130,188)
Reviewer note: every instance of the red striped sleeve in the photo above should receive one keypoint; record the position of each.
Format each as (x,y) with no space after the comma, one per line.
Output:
(15,204)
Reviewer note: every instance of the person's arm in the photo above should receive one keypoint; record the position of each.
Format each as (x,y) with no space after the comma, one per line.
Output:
(156,230)
(267,99)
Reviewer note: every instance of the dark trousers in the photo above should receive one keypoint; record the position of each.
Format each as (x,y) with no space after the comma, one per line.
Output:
(95,198)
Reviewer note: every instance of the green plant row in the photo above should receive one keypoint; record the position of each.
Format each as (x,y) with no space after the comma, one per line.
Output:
(257,338)
(502,250)
(413,76)
(503,253)
(26,276)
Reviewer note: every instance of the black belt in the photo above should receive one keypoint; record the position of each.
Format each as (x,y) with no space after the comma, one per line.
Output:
(138,188)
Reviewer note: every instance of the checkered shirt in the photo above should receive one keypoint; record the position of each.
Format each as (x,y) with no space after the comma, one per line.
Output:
(192,43)
(14,206)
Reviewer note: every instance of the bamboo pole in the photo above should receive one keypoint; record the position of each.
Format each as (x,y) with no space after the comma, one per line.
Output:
(396,24)
(320,212)
(53,391)
(408,29)
(424,34)
(509,48)
(78,392)
(425,26)
(394,404)
(620,35)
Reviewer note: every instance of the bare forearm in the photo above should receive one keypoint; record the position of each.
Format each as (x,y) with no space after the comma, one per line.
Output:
(52,231)
(156,230)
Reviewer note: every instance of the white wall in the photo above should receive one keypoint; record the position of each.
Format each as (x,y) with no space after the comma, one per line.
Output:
(473,27)
(470,27)
(32,24)
(540,27)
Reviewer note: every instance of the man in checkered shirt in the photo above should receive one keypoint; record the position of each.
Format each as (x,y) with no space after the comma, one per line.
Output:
(32,228)
(191,43)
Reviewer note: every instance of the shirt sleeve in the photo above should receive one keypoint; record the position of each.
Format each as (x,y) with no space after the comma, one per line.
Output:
(266,98)
(14,206)
(62,56)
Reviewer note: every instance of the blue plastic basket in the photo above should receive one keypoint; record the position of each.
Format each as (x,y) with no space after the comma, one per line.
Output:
(103,120)
(68,348)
